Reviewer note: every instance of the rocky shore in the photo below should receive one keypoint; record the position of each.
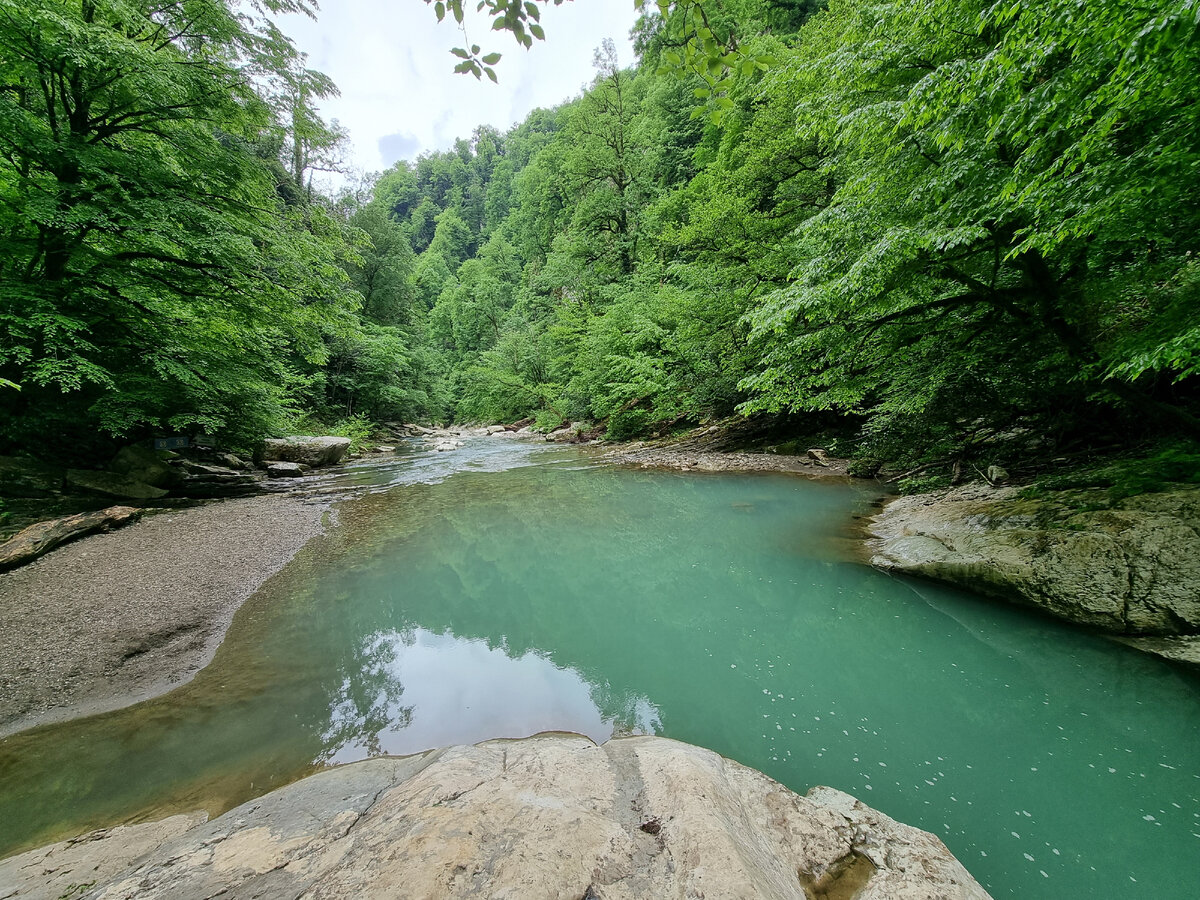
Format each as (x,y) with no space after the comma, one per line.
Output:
(552,816)
(1130,567)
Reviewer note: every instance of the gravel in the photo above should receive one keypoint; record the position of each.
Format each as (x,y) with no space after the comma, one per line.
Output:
(116,618)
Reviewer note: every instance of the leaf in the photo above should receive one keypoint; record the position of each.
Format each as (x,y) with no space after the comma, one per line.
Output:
(491,59)
(461,53)
(537,31)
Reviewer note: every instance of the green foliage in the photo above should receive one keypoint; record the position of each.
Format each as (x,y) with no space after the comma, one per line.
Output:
(156,268)
(357,428)
(1167,467)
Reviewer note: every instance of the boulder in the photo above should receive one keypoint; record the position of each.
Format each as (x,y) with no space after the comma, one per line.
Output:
(997,475)
(444,445)
(36,540)
(819,456)
(113,485)
(553,816)
(285,469)
(141,464)
(1129,567)
(312,451)
(496,429)
(385,448)
(22,477)
(232,462)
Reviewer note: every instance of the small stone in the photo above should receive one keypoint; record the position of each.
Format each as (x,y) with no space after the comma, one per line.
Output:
(285,469)
(997,475)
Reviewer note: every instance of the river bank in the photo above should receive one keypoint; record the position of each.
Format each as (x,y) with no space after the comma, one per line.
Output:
(116,618)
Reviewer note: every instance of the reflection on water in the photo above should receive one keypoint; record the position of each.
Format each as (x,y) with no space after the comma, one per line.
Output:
(512,598)
(439,690)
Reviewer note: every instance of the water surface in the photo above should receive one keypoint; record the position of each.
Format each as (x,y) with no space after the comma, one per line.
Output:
(511,589)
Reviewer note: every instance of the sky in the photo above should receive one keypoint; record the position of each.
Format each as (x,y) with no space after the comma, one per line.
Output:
(399,94)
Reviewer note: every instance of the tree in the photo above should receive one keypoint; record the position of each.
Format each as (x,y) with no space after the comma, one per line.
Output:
(149,276)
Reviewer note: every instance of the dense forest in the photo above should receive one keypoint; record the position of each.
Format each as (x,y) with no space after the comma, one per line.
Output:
(936,230)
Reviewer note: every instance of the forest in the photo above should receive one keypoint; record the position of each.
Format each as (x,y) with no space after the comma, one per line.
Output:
(935,232)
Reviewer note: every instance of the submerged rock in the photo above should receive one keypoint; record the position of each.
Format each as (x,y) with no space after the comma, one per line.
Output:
(553,816)
(307,449)
(1130,567)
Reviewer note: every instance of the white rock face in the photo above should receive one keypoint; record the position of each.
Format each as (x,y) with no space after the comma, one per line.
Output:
(314,451)
(553,816)
(1131,568)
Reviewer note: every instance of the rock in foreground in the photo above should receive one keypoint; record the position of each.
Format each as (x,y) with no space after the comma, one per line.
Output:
(553,816)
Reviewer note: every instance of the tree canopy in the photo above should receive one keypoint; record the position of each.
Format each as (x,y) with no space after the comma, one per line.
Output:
(942,224)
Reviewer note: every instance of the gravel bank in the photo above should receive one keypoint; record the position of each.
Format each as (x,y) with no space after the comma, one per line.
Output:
(718,461)
(117,618)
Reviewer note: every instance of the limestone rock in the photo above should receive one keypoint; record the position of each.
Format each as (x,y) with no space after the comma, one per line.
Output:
(139,463)
(997,475)
(37,540)
(66,869)
(285,469)
(113,485)
(21,477)
(553,816)
(1131,568)
(496,429)
(820,457)
(446,445)
(312,451)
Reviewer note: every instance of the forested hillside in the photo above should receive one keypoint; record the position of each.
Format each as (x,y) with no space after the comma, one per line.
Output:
(939,224)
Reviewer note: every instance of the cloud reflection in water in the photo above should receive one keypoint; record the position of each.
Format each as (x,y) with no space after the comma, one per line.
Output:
(437,690)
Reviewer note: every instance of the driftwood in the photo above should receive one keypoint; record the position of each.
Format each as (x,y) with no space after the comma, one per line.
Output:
(36,540)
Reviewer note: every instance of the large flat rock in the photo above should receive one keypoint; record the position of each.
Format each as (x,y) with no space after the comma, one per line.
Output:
(553,816)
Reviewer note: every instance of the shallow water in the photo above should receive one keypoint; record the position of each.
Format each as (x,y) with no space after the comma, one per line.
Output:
(484,596)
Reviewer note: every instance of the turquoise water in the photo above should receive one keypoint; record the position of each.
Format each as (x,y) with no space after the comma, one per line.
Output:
(485,596)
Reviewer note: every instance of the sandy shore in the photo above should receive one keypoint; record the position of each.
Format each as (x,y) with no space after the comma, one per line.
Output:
(116,618)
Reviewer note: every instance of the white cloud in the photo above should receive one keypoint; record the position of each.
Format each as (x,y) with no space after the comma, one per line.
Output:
(399,94)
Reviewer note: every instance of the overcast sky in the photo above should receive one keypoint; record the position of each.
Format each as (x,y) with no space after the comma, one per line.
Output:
(400,96)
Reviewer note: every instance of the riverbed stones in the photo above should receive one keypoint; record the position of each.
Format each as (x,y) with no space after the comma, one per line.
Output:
(1130,566)
(310,450)
(553,816)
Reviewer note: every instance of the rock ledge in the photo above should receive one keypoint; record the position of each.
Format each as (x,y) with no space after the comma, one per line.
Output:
(553,816)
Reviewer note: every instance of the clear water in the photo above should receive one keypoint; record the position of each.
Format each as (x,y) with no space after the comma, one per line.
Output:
(482,596)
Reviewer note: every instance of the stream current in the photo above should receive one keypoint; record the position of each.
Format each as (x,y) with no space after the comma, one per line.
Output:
(509,588)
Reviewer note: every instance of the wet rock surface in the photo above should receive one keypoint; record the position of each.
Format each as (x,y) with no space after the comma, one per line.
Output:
(1129,566)
(553,816)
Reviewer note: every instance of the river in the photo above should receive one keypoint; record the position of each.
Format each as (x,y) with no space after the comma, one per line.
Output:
(512,588)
